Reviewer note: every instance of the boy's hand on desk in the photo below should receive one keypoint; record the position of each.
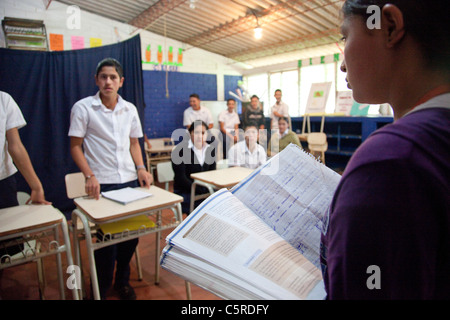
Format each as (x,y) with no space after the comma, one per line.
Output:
(145,178)
(92,187)
(37,197)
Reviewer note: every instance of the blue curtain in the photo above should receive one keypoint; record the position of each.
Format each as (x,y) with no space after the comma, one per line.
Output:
(46,85)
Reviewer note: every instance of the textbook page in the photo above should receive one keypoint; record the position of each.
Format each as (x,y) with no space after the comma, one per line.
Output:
(226,234)
(291,193)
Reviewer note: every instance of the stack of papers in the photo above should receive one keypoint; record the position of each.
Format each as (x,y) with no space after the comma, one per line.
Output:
(261,239)
(126,195)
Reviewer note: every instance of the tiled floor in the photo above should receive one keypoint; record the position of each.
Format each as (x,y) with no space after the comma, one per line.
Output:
(20,282)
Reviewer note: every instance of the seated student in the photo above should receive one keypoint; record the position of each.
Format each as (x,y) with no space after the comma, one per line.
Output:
(254,114)
(13,154)
(282,138)
(190,156)
(247,153)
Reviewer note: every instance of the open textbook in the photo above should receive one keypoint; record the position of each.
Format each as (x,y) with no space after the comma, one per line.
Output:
(261,239)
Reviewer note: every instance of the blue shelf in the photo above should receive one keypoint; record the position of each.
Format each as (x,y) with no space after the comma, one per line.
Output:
(345,134)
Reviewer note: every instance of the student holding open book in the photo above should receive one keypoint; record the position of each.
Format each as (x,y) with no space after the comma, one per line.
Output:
(388,231)
(107,128)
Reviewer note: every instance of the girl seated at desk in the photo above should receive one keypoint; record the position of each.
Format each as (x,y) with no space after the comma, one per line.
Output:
(192,155)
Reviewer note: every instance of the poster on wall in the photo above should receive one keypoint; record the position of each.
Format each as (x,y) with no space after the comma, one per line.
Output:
(344,102)
(318,96)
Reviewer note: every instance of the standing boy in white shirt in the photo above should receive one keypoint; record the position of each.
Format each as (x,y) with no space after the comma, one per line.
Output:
(197,112)
(229,126)
(279,110)
(107,128)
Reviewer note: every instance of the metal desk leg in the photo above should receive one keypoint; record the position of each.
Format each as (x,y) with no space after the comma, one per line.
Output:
(157,247)
(68,252)
(58,262)
(188,290)
(90,251)
(191,205)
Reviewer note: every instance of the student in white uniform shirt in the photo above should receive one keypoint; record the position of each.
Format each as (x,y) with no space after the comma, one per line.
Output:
(107,128)
(247,153)
(13,154)
(197,112)
(279,109)
(229,126)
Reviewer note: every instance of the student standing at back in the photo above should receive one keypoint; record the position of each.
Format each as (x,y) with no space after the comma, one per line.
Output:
(197,112)
(107,128)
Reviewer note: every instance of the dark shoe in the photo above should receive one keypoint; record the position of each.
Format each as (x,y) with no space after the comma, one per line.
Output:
(126,293)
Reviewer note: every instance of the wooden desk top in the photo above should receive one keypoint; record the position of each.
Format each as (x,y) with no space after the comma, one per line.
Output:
(103,210)
(27,217)
(223,178)
(159,149)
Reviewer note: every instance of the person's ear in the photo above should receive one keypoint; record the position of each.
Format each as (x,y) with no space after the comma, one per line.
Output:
(393,24)
(121,82)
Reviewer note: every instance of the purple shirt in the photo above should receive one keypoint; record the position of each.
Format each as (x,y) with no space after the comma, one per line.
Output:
(392,210)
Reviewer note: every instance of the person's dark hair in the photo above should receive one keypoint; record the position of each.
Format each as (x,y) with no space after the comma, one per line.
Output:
(285,119)
(194,95)
(277,91)
(197,123)
(230,99)
(250,125)
(110,62)
(425,21)
(254,96)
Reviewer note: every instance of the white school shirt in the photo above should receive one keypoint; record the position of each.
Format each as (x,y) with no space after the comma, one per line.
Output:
(107,136)
(240,156)
(10,117)
(229,119)
(190,115)
(199,153)
(281,108)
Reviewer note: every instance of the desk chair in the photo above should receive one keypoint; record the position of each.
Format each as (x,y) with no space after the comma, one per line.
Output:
(30,247)
(165,173)
(75,187)
(317,142)
(42,224)
(154,155)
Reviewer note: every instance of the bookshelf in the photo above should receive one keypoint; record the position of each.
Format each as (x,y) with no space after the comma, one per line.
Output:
(25,34)
(344,135)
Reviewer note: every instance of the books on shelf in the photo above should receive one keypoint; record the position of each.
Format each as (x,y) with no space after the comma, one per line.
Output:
(261,239)
(126,195)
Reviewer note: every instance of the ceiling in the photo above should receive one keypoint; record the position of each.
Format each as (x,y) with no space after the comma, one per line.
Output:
(292,29)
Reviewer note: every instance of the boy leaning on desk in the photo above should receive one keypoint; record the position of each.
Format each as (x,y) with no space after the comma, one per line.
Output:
(108,128)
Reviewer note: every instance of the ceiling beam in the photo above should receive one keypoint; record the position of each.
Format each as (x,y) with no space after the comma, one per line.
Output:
(154,12)
(325,37)
(250,21)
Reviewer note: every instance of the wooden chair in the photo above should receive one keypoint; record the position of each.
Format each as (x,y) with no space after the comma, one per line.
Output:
(165,173)
(317,142)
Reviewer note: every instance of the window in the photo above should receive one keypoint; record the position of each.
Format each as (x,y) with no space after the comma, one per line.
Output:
(287,82)
(258,85)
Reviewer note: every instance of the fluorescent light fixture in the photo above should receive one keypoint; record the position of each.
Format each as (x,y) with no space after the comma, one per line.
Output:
(258,32)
